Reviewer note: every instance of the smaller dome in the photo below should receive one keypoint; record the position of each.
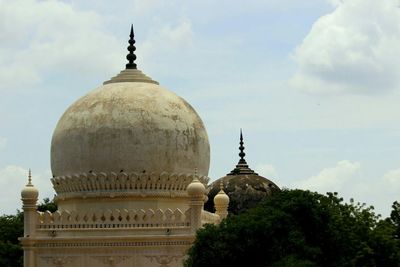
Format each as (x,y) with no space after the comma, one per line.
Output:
(196,188)
(29,192)
(244,187)
(221,199)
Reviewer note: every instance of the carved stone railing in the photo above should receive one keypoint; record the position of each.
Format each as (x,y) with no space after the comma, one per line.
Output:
(113,219)
(208,217)
(124,184)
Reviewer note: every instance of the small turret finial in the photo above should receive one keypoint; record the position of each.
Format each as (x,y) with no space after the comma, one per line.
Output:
(29,177)
(241,148)
(221,185)
(131,57)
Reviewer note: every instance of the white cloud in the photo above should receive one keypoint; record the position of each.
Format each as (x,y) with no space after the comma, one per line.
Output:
(12,180)
(383,191)
(37,37)
(167,42)
(267,170)
(335,2)
(332,179)
(392,182)
(352,49)
(348,179)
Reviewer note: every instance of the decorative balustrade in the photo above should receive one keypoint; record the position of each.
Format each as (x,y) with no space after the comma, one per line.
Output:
(113,219)
(208,217)
(123,182)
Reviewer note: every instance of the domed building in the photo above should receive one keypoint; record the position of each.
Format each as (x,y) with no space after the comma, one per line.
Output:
(130,165)
(244,187)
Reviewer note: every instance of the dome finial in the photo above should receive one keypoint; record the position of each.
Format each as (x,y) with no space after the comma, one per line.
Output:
(241,167)
(29,177)
(131,57)
(241,148)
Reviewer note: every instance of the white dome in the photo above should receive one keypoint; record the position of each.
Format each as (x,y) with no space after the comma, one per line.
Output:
(130,124)
(29,192)
(196,188)
(221,199)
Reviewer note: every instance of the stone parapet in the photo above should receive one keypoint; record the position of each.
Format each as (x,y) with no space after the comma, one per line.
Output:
(209,218)
(106,219)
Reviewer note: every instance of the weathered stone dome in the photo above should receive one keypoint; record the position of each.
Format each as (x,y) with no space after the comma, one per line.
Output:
(244,187)
(130,124)
(29,193)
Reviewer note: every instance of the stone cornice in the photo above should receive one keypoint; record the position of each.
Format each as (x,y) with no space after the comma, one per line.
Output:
(110,241)
(110,185)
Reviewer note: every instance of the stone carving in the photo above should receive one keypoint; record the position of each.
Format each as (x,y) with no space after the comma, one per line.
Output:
(117,218)
(133,182)
(164,260)
(111,260)
(59,261)
(116,244)
(208,217)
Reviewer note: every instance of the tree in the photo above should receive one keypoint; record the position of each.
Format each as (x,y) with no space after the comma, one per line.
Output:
(46,204)
(11,228)
(299,228)
(395,217)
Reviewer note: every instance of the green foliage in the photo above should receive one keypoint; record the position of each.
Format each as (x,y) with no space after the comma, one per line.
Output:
(46,204)
(395,217)
(11,227)
(299,228)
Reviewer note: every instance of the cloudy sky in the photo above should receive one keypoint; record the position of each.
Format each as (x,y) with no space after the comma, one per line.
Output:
(314,84)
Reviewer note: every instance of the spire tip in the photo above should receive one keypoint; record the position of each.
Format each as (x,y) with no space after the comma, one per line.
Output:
(241,147)
(29,177)
(131,57)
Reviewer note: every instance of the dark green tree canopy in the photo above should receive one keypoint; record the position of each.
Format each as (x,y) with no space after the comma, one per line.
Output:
(11,228)
(299,228)
(395,217)
(47,204)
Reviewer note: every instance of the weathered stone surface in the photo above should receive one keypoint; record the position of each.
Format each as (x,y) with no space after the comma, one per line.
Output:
(130,126)
(244,191)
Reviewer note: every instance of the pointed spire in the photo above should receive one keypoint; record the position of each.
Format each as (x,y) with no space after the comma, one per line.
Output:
(130,73)
(242,167)
(29,177)
(131,57)
(241,148)
(29,193)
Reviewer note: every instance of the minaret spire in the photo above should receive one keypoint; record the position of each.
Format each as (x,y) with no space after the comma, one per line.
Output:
(241,167)
(241,148)
(130,73)
(131,57)
(29,177)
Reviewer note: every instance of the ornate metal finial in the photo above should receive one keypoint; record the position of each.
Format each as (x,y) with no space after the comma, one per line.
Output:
(195,171)
(241,167)
(221,185)
(29,177)
(241,148)
(131,57)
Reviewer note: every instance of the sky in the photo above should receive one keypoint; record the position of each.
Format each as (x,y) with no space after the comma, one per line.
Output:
(315,85)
